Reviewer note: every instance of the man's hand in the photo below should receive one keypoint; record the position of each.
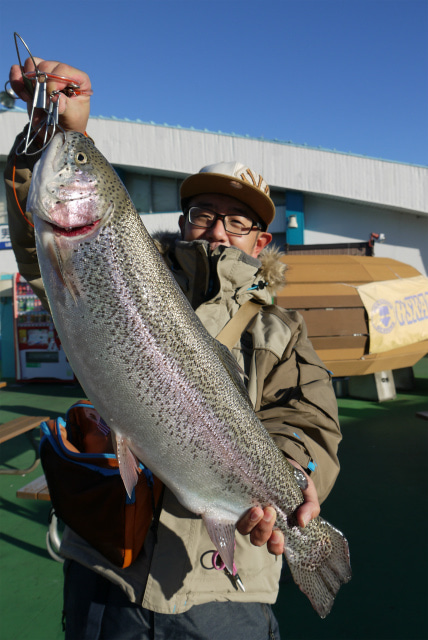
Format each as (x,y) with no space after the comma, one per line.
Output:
(259,523)
(73,110)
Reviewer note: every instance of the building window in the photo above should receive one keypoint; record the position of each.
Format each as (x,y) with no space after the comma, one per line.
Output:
(152,193)
(165,195)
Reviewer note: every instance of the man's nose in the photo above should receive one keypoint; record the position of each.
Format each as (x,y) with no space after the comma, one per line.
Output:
(217,231)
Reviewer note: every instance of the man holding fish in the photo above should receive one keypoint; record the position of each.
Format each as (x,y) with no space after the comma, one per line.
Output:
(220,261)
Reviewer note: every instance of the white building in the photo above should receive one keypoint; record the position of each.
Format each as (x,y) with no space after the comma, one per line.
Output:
(335,197)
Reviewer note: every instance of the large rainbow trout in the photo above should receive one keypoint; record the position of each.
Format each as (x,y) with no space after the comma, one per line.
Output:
(170,393)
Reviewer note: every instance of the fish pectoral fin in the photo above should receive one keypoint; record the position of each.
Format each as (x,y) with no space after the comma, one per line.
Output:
(61,272)
(222,534)
(128,463)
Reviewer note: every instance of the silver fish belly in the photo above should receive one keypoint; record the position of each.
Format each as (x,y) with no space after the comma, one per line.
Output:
(171,394)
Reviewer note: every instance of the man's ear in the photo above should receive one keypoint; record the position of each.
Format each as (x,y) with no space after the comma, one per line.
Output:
(263,239)
(181,224)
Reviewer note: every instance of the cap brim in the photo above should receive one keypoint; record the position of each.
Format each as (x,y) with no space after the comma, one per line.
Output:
(259,202)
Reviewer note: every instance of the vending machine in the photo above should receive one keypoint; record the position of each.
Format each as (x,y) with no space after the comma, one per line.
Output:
(38,351)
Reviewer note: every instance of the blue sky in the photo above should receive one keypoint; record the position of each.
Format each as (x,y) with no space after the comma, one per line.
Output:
(350,75)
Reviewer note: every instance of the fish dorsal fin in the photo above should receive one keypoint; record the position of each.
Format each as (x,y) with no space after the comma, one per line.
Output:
(222,534)
(128,463)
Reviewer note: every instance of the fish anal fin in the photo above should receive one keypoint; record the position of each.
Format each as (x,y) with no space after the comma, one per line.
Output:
(128,463)
(222,534)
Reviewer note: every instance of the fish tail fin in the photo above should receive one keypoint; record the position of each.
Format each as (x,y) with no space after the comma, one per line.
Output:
(321,573)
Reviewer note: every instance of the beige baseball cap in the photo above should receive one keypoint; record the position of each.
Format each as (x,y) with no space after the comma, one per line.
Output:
(232,179)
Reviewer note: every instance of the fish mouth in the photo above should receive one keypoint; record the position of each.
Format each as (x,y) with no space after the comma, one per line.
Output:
(71,232)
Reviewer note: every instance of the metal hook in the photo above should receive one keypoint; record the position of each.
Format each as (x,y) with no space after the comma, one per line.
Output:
(10,92)
(38,91)
(39,100)
(53,111)
(28,84)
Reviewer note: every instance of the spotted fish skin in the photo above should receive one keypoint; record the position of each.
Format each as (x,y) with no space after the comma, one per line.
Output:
(170,392)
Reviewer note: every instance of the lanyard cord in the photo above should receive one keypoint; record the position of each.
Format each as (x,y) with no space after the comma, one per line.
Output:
(16,195)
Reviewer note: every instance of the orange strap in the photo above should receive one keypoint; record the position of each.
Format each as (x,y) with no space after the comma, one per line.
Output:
(16,195)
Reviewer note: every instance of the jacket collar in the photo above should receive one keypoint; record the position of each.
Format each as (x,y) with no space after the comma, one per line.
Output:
(205,275)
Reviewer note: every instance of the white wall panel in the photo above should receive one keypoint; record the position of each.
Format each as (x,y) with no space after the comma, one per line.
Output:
(406,235)
(346,197)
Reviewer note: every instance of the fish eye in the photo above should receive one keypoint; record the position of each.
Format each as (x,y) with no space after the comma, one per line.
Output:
(81,158)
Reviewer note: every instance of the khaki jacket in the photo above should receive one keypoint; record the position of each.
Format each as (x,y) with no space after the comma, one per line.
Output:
(291,392)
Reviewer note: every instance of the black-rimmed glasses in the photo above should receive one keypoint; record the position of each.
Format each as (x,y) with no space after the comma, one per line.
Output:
(235,224)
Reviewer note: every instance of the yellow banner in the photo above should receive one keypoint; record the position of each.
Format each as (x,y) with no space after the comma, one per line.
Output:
(397,311)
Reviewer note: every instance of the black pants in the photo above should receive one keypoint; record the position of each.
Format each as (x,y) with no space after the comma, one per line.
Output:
(96,609)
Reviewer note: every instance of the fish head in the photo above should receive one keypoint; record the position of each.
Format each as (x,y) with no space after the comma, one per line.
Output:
(71,187)
(74,195)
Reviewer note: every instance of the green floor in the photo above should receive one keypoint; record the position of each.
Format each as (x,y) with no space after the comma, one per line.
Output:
(379,501)
(30,581)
